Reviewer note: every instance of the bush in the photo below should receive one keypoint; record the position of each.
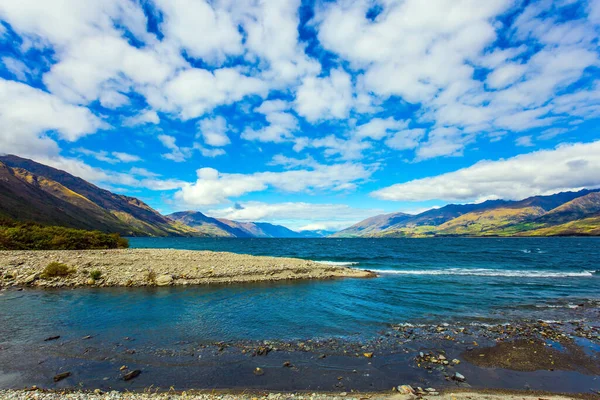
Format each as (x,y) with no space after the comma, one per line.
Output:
(31,236)
(96,274)
(55,269)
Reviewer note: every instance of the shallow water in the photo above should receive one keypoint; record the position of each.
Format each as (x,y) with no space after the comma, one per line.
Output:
(421,282)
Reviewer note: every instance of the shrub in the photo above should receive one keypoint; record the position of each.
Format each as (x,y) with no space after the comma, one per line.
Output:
(55,269)
(31,236)
(96,274)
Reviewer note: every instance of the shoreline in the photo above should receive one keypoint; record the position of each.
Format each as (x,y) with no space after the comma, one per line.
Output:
(254,395)
(159,267)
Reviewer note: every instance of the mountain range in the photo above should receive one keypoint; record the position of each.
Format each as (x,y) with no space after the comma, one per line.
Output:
(30,191)
(561,214)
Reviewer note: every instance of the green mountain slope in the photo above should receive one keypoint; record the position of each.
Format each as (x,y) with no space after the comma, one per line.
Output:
(566,213)
(30,191)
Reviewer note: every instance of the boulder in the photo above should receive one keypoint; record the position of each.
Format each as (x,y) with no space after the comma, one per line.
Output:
(61,376)
(31,278)
(406,389)
(164,280)
(458,377)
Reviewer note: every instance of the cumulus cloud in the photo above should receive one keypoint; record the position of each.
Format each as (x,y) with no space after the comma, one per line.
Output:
(177,154)
(213,187)
(281,124)
(214,131)
(567,167)
(28,114)
(321,216)
(145,117)
(325,98)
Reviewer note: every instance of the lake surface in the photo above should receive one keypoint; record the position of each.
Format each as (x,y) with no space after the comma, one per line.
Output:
(421,281)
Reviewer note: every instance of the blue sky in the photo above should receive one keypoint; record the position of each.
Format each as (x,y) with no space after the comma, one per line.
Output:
(312,114)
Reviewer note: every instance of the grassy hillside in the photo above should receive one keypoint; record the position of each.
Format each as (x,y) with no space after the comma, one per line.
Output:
(567,213)
(30,191)
(31,236)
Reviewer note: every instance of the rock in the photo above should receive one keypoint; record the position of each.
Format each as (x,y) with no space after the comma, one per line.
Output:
(164,280)
(441,357)
(368,355)
(259,371)
(90,281)
(430,390)
(458,377)
(98,392)
(123,368)
(130,375)
(30,279)
(87,337)
(406,389)
(51,338)
(287,364)
(61,376)
(456,361)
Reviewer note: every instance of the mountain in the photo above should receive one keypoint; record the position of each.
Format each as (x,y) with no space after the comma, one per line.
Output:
(221,227)
(30,191)
(565,213)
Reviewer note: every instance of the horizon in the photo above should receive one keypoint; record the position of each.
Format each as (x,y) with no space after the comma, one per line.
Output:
(306,114)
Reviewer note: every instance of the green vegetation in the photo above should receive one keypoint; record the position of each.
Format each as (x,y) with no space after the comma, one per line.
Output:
(32,236)
(96,274)
(55,269)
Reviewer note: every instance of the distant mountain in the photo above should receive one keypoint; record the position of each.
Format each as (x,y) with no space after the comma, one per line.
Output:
(30,191)
(221,227)
(317,233)
(566,213)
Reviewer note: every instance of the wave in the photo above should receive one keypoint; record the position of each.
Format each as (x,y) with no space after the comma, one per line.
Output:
(485,272)
(338,263)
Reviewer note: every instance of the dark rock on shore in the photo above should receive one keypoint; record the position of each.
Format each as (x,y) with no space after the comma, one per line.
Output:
(61,376)
(130,375)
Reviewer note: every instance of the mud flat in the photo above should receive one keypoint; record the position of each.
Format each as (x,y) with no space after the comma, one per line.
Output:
(26,395)
(158,267)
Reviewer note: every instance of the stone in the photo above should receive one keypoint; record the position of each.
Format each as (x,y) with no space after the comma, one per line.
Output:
(130,375)
(31,278)
(61,376)
(458,377)
(441,357)
(406,389)
(123,368)
(164,280)
(52,338)
(368,355)
(258,371)
(456,361)
(90,281)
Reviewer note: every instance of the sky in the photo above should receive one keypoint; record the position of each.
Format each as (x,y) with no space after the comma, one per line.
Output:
(311,114)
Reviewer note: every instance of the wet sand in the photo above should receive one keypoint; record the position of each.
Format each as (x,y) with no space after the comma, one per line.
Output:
(470,395)
(159,267)
(564,357)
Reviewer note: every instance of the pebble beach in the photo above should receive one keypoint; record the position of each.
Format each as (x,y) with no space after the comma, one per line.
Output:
(158,267)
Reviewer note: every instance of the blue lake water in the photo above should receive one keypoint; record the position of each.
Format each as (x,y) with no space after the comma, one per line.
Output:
(421,281)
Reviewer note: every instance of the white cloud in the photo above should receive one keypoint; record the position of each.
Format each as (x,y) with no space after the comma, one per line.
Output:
(177,154)
(194,92)
(218,38)
(378,128)
(111,158)
(213,187)
(145,117)
(214,131)
(16,67)
(405,139)
(298,215)
(281,124)
(325,98)
(27,114)
(568,167)
(524,141)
